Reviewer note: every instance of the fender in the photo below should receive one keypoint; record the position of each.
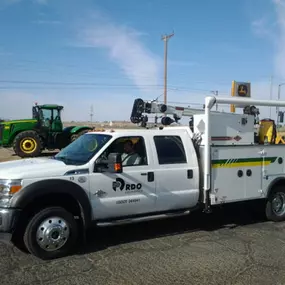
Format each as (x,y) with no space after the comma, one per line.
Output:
(67,129)
(273,183)
(54,186)
(79,128)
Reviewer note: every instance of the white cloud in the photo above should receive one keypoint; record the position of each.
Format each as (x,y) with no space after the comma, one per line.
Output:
(280,56)
(125,48)
(273,30)
(261,27)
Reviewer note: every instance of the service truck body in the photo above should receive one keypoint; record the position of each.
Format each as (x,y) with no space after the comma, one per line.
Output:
(180,171)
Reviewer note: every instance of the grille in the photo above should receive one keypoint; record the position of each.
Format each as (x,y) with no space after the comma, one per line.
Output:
(1,131)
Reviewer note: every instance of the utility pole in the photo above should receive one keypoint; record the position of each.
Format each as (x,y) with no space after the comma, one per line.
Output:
(165,38)
(91,113)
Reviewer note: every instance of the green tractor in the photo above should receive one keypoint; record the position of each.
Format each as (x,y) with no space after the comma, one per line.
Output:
(29,137)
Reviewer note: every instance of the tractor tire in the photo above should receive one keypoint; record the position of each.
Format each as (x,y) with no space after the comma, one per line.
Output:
(73,137)
(77,135)
(28,144)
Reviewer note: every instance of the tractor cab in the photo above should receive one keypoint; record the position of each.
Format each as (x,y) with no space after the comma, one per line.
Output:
(49,116)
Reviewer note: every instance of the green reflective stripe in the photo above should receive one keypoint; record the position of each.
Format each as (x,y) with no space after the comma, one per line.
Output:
(241,160)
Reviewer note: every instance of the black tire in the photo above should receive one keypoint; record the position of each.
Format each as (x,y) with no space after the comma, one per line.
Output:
(270,209)
(77,135)
(73,137)
(28,136)
(49,214)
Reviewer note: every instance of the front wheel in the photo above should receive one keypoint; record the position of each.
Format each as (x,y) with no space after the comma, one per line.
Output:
(28,144)
(275,206)
(51,233)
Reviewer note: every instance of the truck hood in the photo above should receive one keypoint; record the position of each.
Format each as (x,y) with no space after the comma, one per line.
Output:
(33,168)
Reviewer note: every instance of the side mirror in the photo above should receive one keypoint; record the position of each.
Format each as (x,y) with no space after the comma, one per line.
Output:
(113,164)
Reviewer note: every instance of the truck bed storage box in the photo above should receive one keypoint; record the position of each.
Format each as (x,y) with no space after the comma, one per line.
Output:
(227,129)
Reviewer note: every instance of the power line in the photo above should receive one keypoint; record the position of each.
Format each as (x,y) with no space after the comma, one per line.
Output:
(92,85)
(74,88)
(71,83)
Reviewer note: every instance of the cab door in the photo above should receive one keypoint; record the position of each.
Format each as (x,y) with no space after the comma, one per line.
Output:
(176,170)
(129,193)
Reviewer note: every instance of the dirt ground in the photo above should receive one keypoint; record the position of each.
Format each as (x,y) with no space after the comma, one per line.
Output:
(7,154)
(230,246)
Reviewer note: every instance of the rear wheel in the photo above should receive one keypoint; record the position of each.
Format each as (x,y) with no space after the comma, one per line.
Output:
(275,206)
(28,144)
(51,233)
(77,135)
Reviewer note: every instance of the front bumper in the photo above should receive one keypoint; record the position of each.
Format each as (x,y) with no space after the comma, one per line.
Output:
(8,219)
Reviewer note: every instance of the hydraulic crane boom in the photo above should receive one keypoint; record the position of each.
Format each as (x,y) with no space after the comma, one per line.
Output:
(141,106)
(152,107)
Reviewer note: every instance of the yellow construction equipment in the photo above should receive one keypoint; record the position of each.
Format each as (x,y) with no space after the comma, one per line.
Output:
(267,131)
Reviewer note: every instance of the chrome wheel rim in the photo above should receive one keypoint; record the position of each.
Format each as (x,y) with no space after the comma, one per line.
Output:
(278,204)
(52,233)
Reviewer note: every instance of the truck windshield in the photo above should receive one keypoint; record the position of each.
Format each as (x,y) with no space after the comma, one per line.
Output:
(83,149)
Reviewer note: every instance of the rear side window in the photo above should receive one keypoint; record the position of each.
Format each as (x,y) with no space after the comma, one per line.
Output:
(170,149)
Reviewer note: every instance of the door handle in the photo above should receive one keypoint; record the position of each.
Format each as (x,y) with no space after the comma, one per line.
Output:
(150,176)
(189,173)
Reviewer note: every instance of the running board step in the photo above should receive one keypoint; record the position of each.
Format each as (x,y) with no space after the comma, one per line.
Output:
(142,219)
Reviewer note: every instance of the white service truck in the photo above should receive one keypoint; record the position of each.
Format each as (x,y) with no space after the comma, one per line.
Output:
(50,202)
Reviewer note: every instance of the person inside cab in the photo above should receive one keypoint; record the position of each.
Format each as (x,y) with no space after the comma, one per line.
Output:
(129,156)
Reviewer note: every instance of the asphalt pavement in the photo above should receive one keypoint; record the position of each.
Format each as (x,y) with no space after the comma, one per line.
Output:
(231,246)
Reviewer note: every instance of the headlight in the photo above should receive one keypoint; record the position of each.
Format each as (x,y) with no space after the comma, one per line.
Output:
(8,187)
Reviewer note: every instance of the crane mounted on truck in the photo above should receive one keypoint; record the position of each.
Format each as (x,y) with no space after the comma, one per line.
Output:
(219,159)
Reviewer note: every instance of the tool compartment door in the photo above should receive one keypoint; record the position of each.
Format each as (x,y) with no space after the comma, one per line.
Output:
(227,174)
(237,171)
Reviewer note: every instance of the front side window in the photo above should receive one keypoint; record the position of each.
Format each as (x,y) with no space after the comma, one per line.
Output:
(132,150)
(47,114)
(169,149)
(83,149)
(46,117)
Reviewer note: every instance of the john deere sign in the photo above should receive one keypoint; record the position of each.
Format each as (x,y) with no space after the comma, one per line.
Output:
(241,89)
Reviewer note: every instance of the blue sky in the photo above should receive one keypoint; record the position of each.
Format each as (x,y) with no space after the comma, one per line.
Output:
(107,53)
